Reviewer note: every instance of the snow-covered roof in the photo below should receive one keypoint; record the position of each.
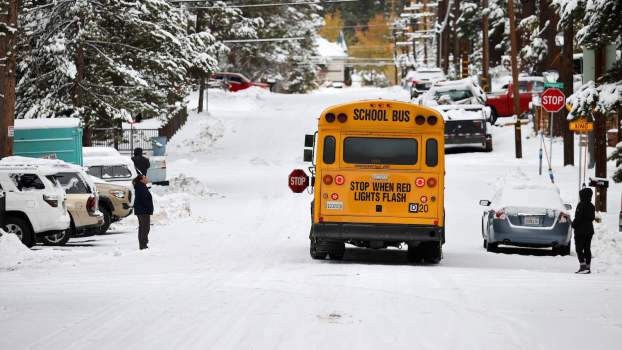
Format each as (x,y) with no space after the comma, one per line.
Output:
(328,49)
(461,112)
(108,161)
(99,152)
(47,123)
(528,195)
(55,164)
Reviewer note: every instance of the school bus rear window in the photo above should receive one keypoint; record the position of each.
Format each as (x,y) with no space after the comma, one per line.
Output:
(431,152)
(373,150)
(329,150)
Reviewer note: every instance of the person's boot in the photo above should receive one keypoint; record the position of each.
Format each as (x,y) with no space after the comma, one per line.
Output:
(587,268)
(582,268)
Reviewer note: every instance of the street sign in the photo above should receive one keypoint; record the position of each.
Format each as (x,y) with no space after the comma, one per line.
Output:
(581,125)
(557,85)
(553,100)
(298,181)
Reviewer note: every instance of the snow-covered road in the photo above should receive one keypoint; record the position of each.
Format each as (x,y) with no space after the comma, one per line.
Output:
(228,265)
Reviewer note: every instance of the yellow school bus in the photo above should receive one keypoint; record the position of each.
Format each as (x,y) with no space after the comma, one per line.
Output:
(378,181)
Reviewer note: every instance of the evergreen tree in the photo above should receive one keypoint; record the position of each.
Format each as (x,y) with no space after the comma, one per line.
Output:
(107,60)
(290,62)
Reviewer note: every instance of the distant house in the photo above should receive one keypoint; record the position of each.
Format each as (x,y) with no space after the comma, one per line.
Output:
(333,60)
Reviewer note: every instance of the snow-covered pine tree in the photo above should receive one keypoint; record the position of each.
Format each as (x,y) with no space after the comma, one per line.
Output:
(600,26)
(107,60)
(290,62)
(223,22)
(468,27)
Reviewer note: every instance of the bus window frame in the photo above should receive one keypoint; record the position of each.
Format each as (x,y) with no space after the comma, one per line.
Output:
(428,139)
(417,136)
(334,153)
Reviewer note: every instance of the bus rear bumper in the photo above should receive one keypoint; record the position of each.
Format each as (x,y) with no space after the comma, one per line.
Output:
(376,232)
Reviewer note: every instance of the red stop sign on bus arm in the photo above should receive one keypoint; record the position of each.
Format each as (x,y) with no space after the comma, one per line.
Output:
(298,180)
(553,100)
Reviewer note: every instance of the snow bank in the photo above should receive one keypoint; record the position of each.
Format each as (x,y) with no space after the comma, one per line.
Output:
(173,202)
(200,137)
(12,251)
(606,248)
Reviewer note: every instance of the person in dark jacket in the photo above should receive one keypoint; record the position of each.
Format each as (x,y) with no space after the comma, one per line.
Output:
(143,209)
(141,163)
(584,229)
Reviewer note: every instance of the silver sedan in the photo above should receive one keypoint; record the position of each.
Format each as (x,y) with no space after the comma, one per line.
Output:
(527,216)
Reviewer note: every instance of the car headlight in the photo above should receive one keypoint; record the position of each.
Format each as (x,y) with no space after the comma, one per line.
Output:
(118,194)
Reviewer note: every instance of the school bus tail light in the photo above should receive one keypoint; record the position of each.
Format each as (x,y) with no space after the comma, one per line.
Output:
(420,182)
(420,120)
(328,180)
(432,120)
(431,182)
(340,180)
(330,117)
(342,117)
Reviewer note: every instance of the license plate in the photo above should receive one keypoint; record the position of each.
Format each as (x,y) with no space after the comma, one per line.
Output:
(531,220)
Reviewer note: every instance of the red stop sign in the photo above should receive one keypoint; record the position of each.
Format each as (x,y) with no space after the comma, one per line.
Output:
(298,181)
(553,100)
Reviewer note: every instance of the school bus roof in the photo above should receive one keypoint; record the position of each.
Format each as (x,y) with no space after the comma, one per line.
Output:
(382,115)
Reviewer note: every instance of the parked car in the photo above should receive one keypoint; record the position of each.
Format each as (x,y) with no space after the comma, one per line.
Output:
(466,125)
(461,102)
(82,202)
(464,92)
(35,203)
(422,79)
(502,103)
(527,215)
(109,165)
(115,202)
(237,81)
(80,197)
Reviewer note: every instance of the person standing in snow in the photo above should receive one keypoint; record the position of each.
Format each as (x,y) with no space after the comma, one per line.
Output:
(143,209)
(584,229)
(141,163)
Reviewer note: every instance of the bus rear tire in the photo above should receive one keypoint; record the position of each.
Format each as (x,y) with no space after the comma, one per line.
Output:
(337,251)
(432,252)
(317,250)
(414,253)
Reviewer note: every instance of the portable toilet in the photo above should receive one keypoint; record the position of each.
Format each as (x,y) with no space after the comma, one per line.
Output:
(51,138)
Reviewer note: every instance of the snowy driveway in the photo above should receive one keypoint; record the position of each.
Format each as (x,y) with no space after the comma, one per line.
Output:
(229,266)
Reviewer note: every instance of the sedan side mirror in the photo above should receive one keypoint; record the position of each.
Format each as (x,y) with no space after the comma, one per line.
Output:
(568,206)
(485,203)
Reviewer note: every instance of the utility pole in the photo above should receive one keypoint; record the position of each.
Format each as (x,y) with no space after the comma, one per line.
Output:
(7,78)
(600,138)
(517,126)
(425,27)
(485,48)
(566,77)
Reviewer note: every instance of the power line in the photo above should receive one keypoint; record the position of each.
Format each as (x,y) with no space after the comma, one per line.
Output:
(262,40)
(261,5)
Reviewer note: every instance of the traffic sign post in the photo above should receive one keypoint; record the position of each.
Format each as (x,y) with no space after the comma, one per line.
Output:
(582,127)
(553,100)
(298,181)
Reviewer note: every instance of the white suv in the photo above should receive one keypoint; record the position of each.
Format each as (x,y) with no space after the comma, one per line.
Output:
(35,203)
(81,197)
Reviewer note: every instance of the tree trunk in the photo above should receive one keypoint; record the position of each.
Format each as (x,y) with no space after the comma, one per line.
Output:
(566,77)
(78,95)
(198,29)
(518,142)
(485,51)
(7,84)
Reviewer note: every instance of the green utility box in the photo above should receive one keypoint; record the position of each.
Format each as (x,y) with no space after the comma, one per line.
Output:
(51,138)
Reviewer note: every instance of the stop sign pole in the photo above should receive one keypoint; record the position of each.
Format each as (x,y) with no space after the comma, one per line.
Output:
(553,100)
